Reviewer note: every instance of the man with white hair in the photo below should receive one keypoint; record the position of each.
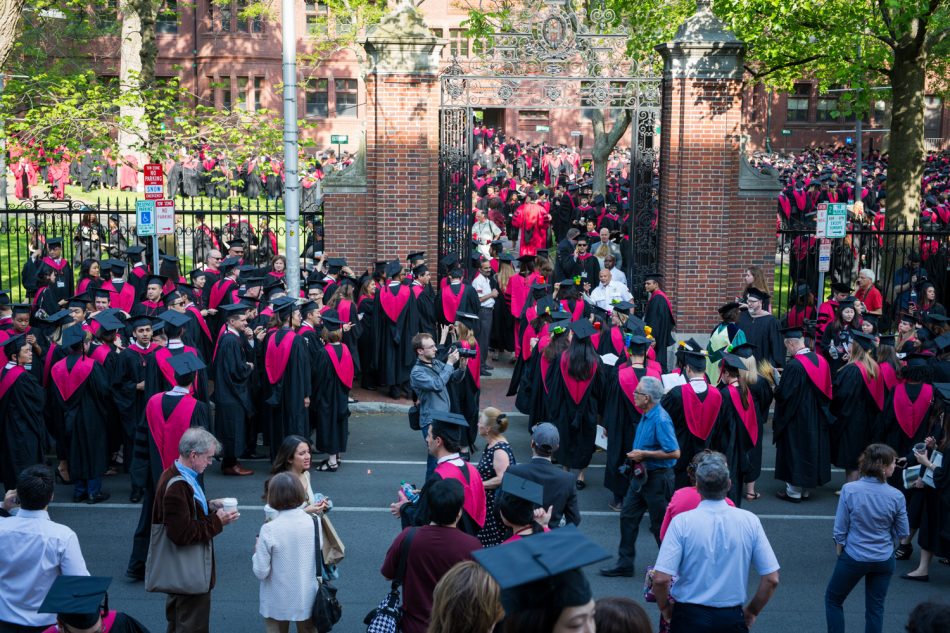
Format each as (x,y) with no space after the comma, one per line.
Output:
(608,291)
(709,551)
(868,294)
(653,455)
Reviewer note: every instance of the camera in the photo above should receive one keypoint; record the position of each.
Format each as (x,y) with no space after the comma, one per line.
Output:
(466,353)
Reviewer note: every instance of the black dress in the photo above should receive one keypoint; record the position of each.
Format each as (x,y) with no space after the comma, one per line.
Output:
(22,433)
(575,416)
(855,409)
(335,377)
(494,532)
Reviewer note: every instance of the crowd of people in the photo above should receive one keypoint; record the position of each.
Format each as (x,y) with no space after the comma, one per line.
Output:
(131,366)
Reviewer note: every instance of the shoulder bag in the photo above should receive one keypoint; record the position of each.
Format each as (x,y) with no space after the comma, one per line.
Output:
(182,569)
(333,548)
(327,610)
(385,618)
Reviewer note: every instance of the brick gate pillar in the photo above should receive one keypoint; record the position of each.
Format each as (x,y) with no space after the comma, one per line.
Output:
(711,225)
(394,209)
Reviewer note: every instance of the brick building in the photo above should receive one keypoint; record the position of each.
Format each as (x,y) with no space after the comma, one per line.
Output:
(232,62)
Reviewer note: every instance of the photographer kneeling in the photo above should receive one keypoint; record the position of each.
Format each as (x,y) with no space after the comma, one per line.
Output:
(429,381)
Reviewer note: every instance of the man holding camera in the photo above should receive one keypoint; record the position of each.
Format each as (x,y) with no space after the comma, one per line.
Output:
(429,380)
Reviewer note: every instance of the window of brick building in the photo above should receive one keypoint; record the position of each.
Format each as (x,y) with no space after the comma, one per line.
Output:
(318,97)
(241,103)
(258,92)
(315,13)
(933,116)
(826,108)
(247,24)
(527,119)
(458,43)
(166,20)
(345,92)
(797,103)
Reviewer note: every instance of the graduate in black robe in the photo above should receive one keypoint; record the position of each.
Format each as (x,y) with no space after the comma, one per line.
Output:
(762,330)
(163,378)
(167,416)
(760,382)
(63,286)
(425,298)
(658,314)
(287,367)
(466,393)
(397,321)
(231,371)
(736,429)
(802,416)
(103,349)
(857,401)
(335,368)
(22,432)
(132,386)
(694,409)
(907,409)
(537,326)
(621,416)
(78,388)
(454,296)
(576,390)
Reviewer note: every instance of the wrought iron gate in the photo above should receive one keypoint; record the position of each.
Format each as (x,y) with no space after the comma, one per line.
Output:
(559,58)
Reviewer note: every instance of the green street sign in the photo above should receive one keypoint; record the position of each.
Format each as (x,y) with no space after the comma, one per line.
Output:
(542,128)
(786,132)
(339,139)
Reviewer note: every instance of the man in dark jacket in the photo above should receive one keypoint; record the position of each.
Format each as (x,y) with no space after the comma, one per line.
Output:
(560,491)
(190,518)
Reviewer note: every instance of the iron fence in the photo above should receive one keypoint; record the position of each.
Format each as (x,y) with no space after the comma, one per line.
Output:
(106,228)
(887,253)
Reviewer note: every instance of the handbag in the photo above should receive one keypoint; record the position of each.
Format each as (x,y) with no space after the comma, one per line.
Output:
(333,548)
(327,610)
(181,569)
(385,618)
(414,417)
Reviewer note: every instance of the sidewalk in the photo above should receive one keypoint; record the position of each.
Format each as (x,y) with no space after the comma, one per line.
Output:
(494,388)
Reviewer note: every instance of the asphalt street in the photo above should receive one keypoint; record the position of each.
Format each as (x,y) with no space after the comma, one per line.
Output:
(383,452)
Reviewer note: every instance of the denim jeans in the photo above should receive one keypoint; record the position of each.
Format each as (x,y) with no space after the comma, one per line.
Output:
(697,618)
(92,487)
(431,462)
(848,572)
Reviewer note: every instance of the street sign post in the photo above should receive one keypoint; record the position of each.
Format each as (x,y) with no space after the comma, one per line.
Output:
(824,256)
(576,133)
(339,139)
(152,175)
(164,217)
(836,225)
(821,219)
(542,128)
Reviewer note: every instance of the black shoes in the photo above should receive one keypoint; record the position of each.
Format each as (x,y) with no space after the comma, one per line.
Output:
(99,497)
(616,572)
(781,494)
(137,495)
(80,498)
(904,551)
(136,572)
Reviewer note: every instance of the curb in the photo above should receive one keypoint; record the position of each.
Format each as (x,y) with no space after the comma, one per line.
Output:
(379,407)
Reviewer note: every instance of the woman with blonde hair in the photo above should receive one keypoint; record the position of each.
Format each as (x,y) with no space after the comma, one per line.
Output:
(858,399)
(466,600)
(503,320)
(759,376)
(496,458)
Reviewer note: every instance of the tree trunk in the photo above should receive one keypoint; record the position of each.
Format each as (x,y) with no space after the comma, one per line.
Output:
(604,143)
(133,133)
(10,11)
(906,148)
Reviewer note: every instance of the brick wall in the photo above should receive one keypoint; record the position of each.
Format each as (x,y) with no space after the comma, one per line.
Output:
(708,233)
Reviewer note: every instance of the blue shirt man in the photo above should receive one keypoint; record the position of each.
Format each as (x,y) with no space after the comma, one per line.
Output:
(654,453)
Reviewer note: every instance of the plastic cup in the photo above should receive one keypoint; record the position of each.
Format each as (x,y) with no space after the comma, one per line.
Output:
(229,504)
(920,447)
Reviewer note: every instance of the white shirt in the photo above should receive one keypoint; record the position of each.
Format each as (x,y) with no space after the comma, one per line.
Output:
(604,296)
(33,552)
(617,275)
(484,233)
(285,562)
(483,288)
(708,550)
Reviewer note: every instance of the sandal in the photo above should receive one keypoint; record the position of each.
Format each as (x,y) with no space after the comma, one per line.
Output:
(752,496)
(326,467)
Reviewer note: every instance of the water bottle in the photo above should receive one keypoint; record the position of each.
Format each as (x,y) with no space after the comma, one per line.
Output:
(913,296)
(408,491)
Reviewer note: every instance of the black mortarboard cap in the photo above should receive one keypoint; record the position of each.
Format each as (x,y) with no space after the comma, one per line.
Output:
(523,488)
(476,256)
(866,341)
(889,339)
(729,307)
(54,241)
(943,341)
(802,290)
(744,350)
(157,279)
(175,318)
(538,285)
(583,329)
(228,263)
(561,315)
(307,307)
(793,332)
(456,274)
(5,298)
(840,287)
(635,325)
(13,345)
(467,319)
(140,320)
(622,306)
(198,272)
(937,317)
(135,250)
(185,364)
(847,302)
(917,359)
(253,282)
(108,322)
(331,320)
(247,268)
(526,259)
(731,360)
(450,420)
(283,306)
(57,318)
(415,256)
(943,390)
(233,308)
(543,571)
(755,293)
(910,318)
(420,270)
(168,258)
(393,268)
(654,276)
(79,301)
(545,304)
(76,600)
(449,260)
(638,340)
(73,335)
(236,242)
(506,257)
(696,360)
